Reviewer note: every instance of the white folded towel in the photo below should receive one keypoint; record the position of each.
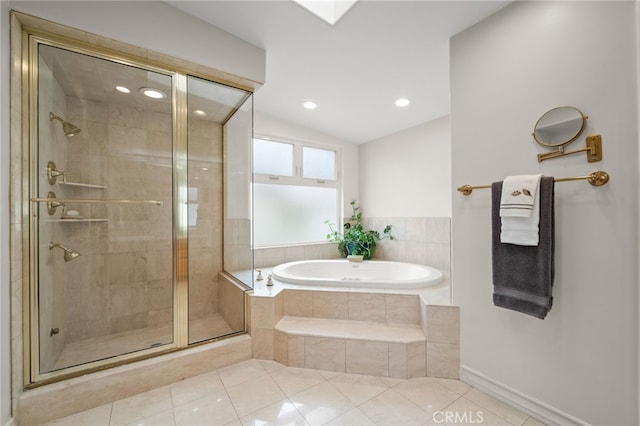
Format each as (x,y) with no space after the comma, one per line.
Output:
(518,194)
(521,229)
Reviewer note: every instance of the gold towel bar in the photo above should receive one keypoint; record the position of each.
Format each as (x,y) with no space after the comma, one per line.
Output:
(597,178)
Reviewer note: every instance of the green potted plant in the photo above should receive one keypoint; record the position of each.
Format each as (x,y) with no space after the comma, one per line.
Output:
(355,242)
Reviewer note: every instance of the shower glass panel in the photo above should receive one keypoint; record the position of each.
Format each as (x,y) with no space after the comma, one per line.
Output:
(215,306)
(238,208)
(105,255)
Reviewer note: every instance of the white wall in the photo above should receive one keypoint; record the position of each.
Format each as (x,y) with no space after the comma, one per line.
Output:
(157,26)
(581,362)
(5,285)
(408,174)
(265,125)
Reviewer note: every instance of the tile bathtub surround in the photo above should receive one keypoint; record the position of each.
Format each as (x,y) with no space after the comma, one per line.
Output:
(351,346)
(271,256)
(354,332)
(265,392)
(422,240)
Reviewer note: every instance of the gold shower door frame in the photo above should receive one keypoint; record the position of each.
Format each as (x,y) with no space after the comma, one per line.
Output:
(31,39)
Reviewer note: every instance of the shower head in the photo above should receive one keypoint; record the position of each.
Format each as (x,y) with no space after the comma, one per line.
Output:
(68,128)
(69,254)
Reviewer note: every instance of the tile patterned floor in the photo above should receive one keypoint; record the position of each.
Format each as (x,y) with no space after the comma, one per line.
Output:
(258,393)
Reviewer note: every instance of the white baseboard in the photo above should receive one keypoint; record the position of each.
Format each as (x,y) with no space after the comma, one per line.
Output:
(525,403)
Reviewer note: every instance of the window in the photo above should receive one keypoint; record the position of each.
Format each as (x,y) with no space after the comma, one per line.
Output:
(296,189)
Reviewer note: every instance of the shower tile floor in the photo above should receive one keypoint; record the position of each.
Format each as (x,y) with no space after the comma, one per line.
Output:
(102,347)
(259,392)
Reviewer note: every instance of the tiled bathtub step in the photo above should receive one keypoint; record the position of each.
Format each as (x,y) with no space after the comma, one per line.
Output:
(351,346)
(352,330)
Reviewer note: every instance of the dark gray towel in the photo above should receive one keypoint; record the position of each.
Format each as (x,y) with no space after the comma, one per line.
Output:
(523,275)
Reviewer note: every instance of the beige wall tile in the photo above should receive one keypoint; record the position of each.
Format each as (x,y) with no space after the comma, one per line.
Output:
(262,312)
(371,358)
(367,307)
(416,229)
(278,307)
(281,347)
(416,360)
(443,360)
(423,316)
(439,230)
(272,257)
(439,257)
(262,343)
(324,353)
(398,360)
(402,309)
(443,324)
(329,304)
(296,351)
(293,254)
(416,252)
(231,303)
(298,303)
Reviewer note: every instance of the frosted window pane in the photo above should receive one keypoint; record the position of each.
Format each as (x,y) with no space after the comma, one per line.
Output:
(272,158)
(286,214)
(318,163)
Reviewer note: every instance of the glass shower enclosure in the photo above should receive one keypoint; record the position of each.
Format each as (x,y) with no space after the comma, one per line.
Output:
(139,198)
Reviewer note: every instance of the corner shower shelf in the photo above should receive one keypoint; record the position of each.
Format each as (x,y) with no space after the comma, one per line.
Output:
(83,185)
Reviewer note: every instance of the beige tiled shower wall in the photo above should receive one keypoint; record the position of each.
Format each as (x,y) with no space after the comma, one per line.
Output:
(237,244)
(53,280)
(205,226)
(123,280)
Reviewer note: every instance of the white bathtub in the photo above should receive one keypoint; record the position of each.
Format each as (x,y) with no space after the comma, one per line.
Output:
(370,273)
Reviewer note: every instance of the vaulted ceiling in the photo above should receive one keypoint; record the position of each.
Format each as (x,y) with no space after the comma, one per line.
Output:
(377,52)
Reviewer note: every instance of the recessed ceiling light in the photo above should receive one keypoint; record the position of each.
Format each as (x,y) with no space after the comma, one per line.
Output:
(153,93)
(199,112)
(402,102)
(123,89)
(205,168)
(310,105)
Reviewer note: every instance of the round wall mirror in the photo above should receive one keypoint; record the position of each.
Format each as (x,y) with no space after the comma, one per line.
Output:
(559,126)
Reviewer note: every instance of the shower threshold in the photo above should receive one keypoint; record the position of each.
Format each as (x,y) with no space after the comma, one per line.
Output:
(88,350)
